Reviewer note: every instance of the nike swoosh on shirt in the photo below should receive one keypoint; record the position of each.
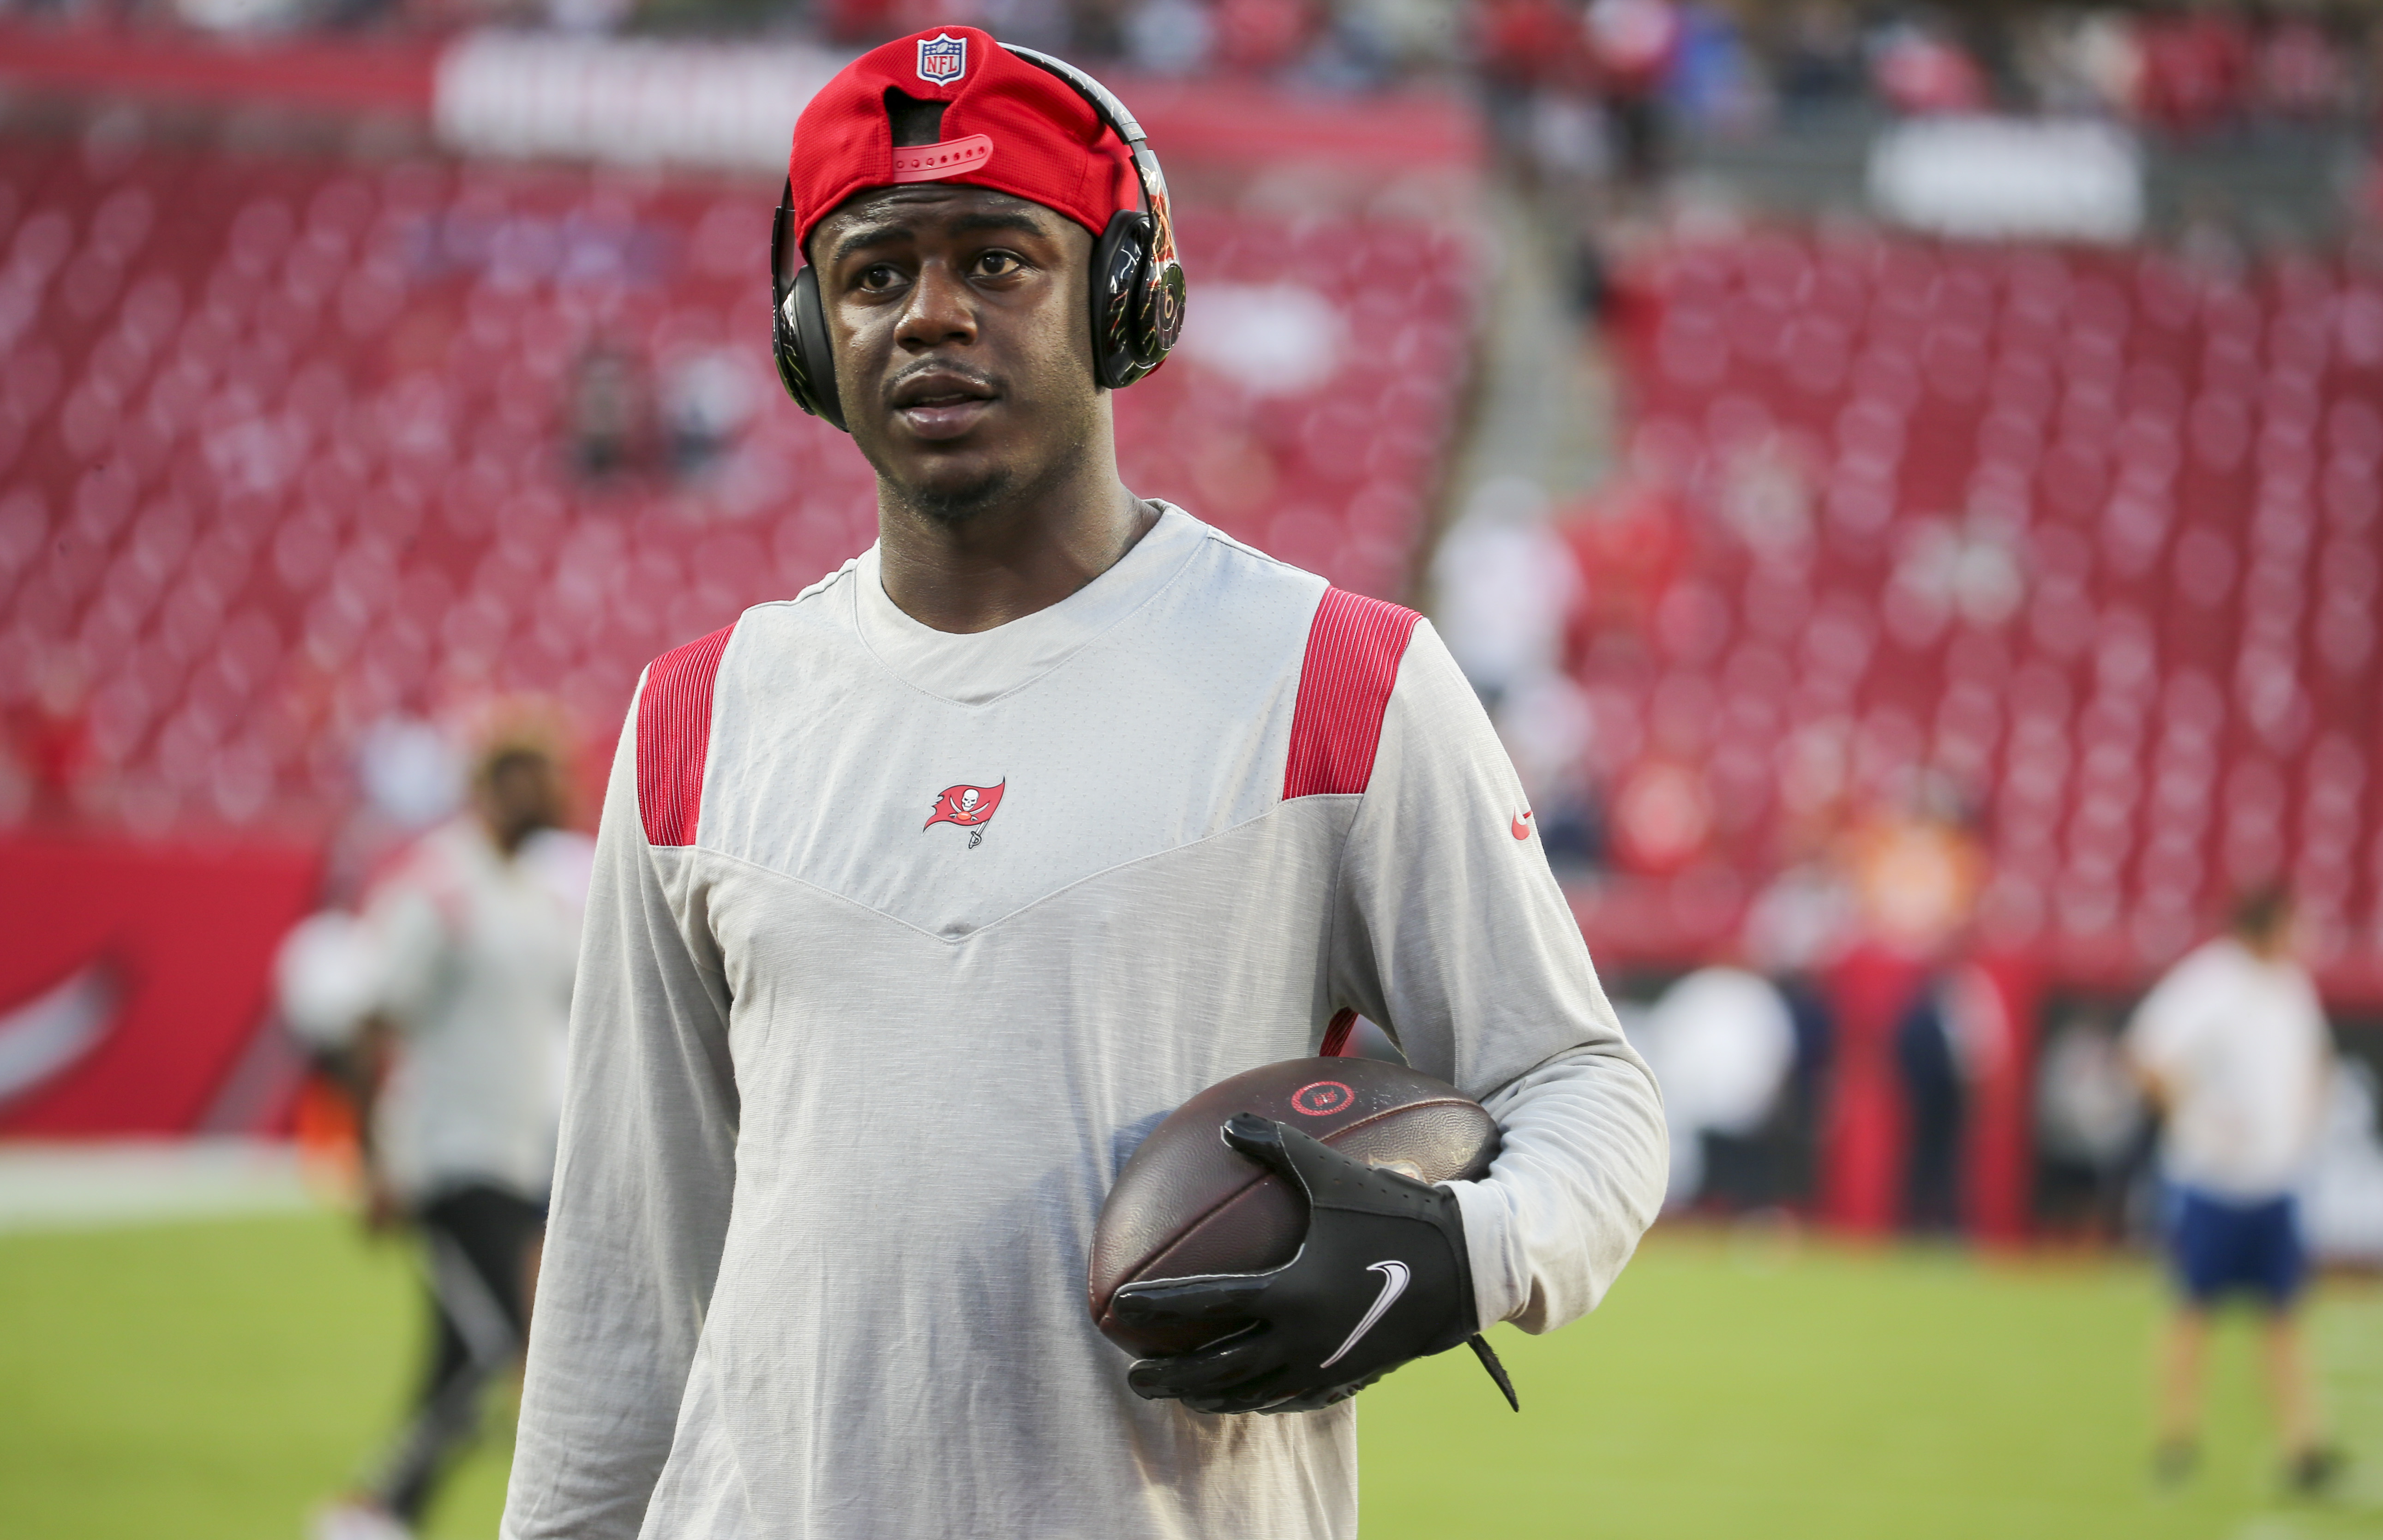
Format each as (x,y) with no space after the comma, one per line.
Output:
(1522,826)
(1394,1283)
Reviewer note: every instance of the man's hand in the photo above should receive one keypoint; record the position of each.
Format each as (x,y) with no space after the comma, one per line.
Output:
(1381,1279)
(383,1210)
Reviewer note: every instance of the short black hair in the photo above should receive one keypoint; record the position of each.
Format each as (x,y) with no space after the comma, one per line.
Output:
(2259,911)
(915,122)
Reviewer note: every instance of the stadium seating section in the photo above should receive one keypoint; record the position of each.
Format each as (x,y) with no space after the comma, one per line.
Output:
(289,444)
(2094,536)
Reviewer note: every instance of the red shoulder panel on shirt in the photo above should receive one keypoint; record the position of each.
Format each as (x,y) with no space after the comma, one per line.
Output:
(1353,647)
(675,736)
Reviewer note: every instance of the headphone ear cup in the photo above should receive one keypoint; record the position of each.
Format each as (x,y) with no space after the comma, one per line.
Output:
(1162,318)
(798,341)
(1120,272)
(784,353)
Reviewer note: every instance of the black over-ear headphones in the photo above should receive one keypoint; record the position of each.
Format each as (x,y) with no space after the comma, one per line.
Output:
(1137,287)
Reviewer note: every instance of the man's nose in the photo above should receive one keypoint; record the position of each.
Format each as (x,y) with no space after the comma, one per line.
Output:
(941,310)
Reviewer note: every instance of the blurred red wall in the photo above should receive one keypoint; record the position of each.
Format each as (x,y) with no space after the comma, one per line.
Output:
(145,966)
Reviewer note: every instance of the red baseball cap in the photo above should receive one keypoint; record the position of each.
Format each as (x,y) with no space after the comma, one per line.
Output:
(1009,125)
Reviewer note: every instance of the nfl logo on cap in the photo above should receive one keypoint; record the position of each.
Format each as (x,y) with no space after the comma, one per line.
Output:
(942,58)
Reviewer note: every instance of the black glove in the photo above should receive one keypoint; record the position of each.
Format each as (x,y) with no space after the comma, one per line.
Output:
(1381,1279)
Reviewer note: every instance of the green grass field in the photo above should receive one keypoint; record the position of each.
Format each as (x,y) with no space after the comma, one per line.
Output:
(211,1381)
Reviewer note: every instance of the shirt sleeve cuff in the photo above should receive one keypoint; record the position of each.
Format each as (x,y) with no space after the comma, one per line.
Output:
(1499,1290)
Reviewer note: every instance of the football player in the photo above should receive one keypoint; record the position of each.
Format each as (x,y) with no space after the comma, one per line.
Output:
(459,985)
(923,895)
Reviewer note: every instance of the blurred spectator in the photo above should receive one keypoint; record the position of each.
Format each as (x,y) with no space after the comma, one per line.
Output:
(1631,71)
(2089,1128)
(445,1005)
(1800,921)
(250,16)
(1820,57)
(1506,586)
(2343,1201)
(1524,46)
(1634,44)
(2196,68)
(1794,932)
(2232,1047)
(2081,63)
(609,413)
(1916,873)
(1919,70)
(1931,1044)
(706,403)
(589,16)
(1033,24)
(1722,1041)
(1170,37)
(1716,84)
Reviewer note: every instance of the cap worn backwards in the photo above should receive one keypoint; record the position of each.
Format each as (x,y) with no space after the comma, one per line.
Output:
(1008,125)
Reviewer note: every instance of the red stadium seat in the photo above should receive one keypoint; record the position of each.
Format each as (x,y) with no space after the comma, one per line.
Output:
(2179,692)
(295,443)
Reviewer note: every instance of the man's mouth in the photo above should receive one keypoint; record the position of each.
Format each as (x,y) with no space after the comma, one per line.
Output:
(942,404)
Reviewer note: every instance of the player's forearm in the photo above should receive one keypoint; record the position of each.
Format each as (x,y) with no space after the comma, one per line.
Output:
(1579,1176)
(643,1185)
(633,1252)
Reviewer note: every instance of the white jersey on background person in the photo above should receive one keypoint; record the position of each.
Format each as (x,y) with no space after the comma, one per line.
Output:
(2239,1044)
(474,955)
(899,942)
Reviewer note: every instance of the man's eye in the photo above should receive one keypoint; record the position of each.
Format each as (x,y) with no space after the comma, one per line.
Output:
(999,264)
(880,276)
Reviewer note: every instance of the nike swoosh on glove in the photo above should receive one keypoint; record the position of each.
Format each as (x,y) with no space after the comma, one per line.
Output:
(1381,1279)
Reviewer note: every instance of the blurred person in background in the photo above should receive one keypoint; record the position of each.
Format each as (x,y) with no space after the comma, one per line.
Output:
(446,1005)
(1633,45)
(610,413)
(1797,929)
(1722,1043)
(2089,1129)
(2232,1047)
(1506,586)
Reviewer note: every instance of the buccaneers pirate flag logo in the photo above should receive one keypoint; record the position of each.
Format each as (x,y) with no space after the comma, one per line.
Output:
(970,806)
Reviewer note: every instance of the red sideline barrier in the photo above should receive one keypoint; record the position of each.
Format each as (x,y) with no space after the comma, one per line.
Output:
(1999,1140)
(134,980)
(1866,1134)
(1864,1131)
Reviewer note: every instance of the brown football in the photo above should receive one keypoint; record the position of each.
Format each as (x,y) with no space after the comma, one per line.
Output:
(1188,1204)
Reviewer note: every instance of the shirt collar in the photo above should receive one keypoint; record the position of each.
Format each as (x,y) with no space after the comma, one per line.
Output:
(976,666)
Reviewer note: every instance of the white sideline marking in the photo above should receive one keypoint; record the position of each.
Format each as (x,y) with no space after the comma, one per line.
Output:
(67,1187)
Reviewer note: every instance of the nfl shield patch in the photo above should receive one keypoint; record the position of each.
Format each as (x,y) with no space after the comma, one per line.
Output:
(943,58)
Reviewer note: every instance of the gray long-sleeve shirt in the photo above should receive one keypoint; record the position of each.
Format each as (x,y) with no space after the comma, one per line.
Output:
(900,941)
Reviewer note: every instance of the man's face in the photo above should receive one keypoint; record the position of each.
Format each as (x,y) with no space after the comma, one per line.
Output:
(2276,940)
(521,794)
(963,358)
